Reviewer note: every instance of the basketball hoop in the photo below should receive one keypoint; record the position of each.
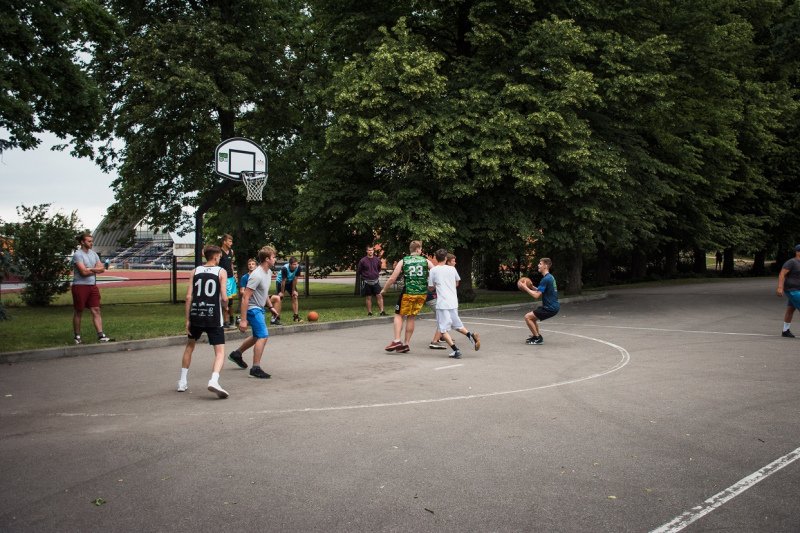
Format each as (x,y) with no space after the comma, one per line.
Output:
(254,181)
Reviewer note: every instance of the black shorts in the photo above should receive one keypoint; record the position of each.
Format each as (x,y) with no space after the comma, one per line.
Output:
(543,314)
(370,288)
(216,335)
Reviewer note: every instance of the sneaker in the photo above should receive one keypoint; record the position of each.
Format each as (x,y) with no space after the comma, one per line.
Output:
(104,338)
(236,357)
(455,354)
(182,386)
(538,340)
(475,340)
(258,373)
(787,333)
(437,346)
(275,322)
(404,348)
(533,339)
(394,346)
(296,318)
(214,387)
(369,314)
(383,313)
(78,339)
(226,325)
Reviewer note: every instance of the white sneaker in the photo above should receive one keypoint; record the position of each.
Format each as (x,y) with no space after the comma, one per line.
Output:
(214,387)
(182,385)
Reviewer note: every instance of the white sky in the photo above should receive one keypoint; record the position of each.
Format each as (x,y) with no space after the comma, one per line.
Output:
(41,176)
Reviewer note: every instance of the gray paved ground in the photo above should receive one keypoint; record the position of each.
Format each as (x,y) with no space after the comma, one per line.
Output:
(637,409)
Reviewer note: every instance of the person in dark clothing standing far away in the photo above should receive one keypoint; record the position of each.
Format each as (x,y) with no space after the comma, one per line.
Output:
(206,304)
(548,290)
(789,286)
(369,269)
(226,262)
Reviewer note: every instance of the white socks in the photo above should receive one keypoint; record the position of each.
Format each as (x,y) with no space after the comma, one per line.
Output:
(184,373)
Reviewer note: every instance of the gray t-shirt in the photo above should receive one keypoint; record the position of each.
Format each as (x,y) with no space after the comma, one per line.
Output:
(791,282)
(259,283)
(89,260)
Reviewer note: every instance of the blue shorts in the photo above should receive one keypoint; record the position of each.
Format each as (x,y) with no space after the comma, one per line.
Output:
(794,298)
(231,287)
(255,317)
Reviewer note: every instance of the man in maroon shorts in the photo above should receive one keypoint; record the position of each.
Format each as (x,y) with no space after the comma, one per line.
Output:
(85,294)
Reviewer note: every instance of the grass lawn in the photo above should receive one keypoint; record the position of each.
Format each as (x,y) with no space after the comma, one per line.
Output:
(125,318)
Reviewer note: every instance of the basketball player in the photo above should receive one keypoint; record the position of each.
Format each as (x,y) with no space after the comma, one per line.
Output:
(444,279)
(230,290)
(205,306)
(85,293)
(286,282)
(548,290)
(415,268)
(254,299)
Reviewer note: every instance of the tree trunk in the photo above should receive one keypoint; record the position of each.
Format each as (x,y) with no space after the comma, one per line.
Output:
(699,261)
(638,265)
(574,270)
(671,259)
(466,294)
(603,272)
(727,262)
(760,263)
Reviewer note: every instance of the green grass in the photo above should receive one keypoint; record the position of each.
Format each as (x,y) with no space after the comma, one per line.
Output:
(125,319)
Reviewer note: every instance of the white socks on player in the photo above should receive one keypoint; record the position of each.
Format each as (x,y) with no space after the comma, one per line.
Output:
(786,326)
(184,373)
(215,377)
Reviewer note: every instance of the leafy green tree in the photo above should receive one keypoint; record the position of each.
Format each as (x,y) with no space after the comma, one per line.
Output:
(42,247)
(45,83)
(182,77)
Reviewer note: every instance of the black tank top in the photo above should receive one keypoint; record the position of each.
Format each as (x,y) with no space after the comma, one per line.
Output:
(206,309)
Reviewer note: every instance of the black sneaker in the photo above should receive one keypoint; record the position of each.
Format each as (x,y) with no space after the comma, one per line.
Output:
(236,357)
(535,340)
(383,313)
(258,373)
(369,314)
(104,338)
(787,333)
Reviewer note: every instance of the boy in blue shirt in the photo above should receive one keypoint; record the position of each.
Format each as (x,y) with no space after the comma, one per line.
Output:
(548,290)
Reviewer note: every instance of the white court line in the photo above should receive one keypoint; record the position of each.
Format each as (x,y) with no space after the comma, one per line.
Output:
(731,492)
(666,330)
(451,366)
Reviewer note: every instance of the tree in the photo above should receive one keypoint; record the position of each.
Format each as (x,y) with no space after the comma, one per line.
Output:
(182,77)
(45,85)
(42,247)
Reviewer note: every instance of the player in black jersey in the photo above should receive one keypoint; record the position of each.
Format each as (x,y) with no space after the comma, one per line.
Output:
(206,304)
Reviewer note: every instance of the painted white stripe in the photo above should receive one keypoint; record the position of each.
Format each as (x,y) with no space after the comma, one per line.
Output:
(731,492)
(446,367)
(624,360)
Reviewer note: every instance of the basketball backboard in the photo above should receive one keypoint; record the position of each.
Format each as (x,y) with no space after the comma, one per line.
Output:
(237,155)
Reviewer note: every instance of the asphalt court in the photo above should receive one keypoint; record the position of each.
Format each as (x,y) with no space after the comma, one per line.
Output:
(656,409)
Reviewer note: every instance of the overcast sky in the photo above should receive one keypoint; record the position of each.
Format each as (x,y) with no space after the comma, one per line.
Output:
(42,176)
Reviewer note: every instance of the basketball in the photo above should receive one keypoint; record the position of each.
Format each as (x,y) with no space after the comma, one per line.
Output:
(313,316)
(527,281)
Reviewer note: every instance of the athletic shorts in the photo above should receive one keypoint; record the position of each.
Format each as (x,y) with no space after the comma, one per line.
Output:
(447,319)
(216,335)
(793,299)
(257,321)
(231,287)
(409,304)
(370,287)
(543,314)
(84,296)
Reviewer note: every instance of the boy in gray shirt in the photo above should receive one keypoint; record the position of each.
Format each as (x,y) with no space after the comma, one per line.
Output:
(85,293)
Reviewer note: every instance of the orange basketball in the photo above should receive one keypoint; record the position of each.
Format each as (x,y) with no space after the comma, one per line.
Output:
(313,316)
(527,282)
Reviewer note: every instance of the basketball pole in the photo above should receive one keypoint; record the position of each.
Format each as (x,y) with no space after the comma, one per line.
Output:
(198,219)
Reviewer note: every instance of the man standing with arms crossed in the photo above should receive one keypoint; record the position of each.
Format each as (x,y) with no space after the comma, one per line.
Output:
(789,286)
(85,293)
(415,269)
(369,270)
(254,299)
(226,262)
